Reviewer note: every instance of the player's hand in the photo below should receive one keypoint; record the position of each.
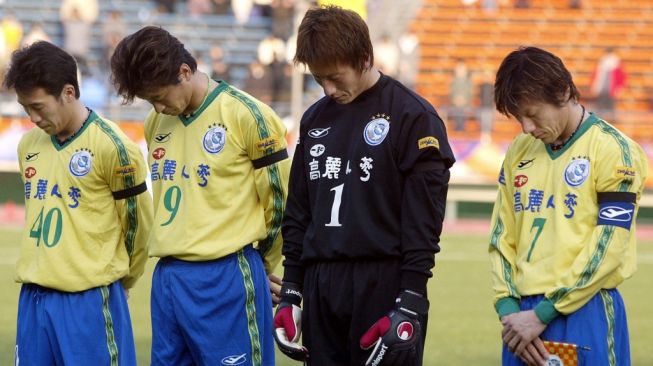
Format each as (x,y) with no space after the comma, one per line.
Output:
(275,289)
(520,329)
(396,336)
(535,353)
(288,322)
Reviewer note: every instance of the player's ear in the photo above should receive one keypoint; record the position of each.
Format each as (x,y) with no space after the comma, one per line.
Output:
(68,93)
(185,72)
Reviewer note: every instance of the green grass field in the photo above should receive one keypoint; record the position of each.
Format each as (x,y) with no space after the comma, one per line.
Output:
(462,330)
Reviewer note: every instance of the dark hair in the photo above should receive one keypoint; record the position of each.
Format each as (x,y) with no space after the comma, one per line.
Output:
(330,34)
(148,59)
(42,65)
(531,74)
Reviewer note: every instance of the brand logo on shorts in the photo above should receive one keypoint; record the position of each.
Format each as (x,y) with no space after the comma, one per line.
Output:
(316,133)
(376,131)
(80,163)
(234,360)
(215,139)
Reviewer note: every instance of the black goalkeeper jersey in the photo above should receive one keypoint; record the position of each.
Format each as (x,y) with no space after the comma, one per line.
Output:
(368,181)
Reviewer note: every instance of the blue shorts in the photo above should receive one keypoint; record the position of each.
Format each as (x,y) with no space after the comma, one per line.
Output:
(599,329)
(90,327)
(214,313)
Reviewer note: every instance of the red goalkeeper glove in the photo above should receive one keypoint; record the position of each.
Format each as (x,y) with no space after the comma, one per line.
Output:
(397,336)
(288,322)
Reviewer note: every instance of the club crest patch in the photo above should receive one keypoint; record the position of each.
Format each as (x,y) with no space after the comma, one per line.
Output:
(215,139)
(577,172)
(376,131)
(80,163)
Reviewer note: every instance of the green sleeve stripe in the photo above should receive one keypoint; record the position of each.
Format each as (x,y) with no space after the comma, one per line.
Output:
(263,132)
(497,231)
(277,211)
(128,182)
(607,232)
(273,172)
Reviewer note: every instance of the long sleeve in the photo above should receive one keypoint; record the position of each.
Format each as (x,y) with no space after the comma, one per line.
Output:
(296,219)
(136,216)
(127,169)
(503,250)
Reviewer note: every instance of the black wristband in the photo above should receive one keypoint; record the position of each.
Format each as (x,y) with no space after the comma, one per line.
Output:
(412,303)
(291,293)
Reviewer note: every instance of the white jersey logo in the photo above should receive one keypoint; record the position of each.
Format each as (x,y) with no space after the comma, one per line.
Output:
(215,139)
(376,131)
(577,172)
(80,163)
(234,360)
(615,213)
(554,360)
(316,133)
(317,150)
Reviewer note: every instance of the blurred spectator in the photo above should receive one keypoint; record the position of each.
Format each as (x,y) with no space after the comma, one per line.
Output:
(608,81)
(259,82)
(113,30)
(522,4)
(409,59)
(486,103)
(198,8)
(12,31)
(460,92)
(263,8)
(219,69)
(36,33)
(77,18)
(270,49)
(283,12)
(242,9)
(386,56)
(575,4)
(221,7)
(165,6)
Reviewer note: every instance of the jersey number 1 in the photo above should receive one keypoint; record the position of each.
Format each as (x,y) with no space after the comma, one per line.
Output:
(335,208)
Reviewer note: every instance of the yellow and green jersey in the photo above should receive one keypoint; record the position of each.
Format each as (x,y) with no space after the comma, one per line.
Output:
(219,178)
(564,221)
(86,207)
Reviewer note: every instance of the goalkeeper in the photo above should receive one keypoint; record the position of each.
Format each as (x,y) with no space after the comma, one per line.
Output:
(366,201)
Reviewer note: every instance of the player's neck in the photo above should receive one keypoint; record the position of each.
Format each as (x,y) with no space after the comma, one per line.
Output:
(78,116)
(202,86)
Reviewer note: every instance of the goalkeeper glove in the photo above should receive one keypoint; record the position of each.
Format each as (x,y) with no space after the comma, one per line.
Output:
(288,322)
(397,336)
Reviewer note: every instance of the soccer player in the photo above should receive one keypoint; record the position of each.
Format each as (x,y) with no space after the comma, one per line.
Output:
(563,227)
(366,202)
(87,219)
(219,170)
